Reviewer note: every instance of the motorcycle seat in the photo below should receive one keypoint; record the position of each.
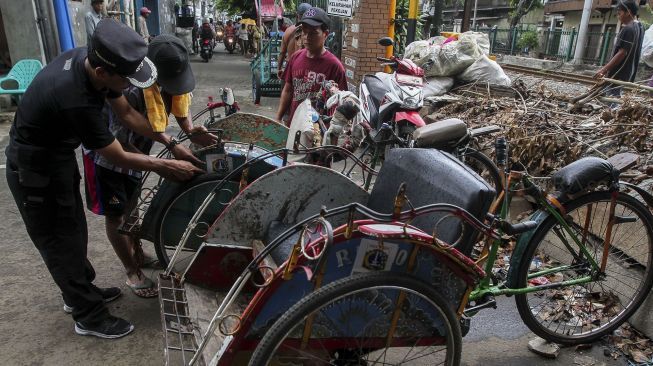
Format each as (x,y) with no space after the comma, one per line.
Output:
(440,133)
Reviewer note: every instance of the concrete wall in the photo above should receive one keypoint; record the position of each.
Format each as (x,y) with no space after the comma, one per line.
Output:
(77,11)
(21,29)
(167,16)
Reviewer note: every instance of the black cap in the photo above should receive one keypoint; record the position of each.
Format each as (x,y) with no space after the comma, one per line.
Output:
(120,49)
(302,8)
(171,60)
(315,17)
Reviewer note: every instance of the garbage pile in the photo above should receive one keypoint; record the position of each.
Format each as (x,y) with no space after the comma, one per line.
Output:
(459,58)
(546,130)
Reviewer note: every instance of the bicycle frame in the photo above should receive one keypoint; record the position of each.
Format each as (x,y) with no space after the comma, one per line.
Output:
(490,250)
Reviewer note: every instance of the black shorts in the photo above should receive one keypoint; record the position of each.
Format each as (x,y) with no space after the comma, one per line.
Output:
(107,192)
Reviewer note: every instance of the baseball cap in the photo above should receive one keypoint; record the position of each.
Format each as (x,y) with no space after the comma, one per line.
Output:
(120,49)
(145,10)
(302,8)
(171,59)
(315,17)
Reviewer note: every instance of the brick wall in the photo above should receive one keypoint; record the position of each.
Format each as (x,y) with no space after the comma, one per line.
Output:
(369,23)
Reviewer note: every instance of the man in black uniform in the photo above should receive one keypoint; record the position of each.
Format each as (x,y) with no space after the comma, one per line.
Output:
(61,109)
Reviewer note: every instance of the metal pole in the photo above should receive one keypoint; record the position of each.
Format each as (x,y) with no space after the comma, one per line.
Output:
(412,21)
(474,19)
(66,40)
(582,32)
(466,15)
(392,13)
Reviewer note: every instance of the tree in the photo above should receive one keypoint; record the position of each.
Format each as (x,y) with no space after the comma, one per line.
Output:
(521,8)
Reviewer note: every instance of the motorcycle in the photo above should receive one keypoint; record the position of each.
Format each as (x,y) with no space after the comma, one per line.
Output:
(207,50)
(230,43)
(219,35)
(393,99)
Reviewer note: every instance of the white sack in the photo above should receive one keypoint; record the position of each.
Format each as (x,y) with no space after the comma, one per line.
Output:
(486,71)
(438,85)
(647,47)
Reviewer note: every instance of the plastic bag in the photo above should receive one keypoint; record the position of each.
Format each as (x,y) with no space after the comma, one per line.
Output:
(303,119)
(482,40)
(486,71)
(438,85)
(647,47)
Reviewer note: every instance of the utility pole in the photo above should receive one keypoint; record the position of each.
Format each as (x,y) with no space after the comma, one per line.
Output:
(464,27)
(582,32)
(474,19)
(412,21)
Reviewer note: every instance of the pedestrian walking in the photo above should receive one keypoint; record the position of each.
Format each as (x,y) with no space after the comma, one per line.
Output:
(142,24)
(243,36)
(92,18)
(61,109)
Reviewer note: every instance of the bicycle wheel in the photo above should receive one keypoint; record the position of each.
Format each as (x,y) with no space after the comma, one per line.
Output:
(377,318)
(585,312)
(483,166)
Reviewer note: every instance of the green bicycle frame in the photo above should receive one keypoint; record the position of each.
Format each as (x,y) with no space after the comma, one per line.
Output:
(485,288)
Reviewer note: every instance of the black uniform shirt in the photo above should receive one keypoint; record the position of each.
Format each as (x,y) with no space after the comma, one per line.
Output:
(59,110)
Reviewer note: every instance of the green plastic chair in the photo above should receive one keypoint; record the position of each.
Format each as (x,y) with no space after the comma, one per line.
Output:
(22,74)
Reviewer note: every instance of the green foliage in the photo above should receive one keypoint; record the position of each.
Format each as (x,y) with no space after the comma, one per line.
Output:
(233,7)
(521,8)
(528,39)
(401,26)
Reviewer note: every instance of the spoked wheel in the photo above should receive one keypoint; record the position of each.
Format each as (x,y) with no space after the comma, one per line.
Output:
(585,312)
(379,318)
(483,166)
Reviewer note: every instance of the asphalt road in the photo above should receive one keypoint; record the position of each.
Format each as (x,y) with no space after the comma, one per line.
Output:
(35,331)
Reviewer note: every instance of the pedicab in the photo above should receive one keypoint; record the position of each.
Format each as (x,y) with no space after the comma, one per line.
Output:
(163,208)
(304,267)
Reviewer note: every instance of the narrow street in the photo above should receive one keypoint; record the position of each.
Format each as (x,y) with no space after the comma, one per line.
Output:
(34,330)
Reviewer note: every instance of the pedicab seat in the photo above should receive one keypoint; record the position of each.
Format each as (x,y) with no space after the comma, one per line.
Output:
(433,176)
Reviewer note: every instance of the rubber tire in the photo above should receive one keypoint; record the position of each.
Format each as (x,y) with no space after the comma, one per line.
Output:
(159,248)
(256,88)
(522,272)
(267,346)
(489,165)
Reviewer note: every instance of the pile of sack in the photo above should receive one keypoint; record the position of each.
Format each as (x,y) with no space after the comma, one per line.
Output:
(463,58)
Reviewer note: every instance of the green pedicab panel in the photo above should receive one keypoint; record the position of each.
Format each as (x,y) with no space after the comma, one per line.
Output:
(252,128)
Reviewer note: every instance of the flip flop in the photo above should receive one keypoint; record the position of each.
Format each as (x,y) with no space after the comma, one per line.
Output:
(146,290)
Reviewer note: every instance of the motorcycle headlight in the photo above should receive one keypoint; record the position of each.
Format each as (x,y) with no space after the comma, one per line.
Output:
(410,102)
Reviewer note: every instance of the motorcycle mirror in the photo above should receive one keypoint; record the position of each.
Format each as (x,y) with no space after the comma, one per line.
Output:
(386,41)
(229,96)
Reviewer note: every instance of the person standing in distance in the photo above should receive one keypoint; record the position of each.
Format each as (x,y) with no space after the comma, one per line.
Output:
(61,109)
(290,41)
(627,48)
(142,24)
(92,18)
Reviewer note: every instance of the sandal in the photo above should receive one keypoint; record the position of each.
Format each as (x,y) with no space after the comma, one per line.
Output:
(147,289)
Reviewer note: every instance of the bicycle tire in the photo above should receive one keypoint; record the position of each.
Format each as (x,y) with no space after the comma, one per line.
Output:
(336,292)
(159,246)
(483,166)
(584,303)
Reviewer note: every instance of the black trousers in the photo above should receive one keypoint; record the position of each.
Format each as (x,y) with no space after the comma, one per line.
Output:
(52,209)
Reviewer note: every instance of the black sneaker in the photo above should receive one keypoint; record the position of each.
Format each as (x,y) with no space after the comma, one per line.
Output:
(108,294)
(110,328)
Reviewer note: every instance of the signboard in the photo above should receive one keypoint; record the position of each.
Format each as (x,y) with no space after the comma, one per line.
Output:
(340,8)
(350,62)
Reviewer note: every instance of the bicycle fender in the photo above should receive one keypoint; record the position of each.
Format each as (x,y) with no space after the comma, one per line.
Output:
(520,248)
(647,197)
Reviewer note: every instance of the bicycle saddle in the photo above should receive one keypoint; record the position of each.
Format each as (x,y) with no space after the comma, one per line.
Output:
(440,133)
(584,174)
